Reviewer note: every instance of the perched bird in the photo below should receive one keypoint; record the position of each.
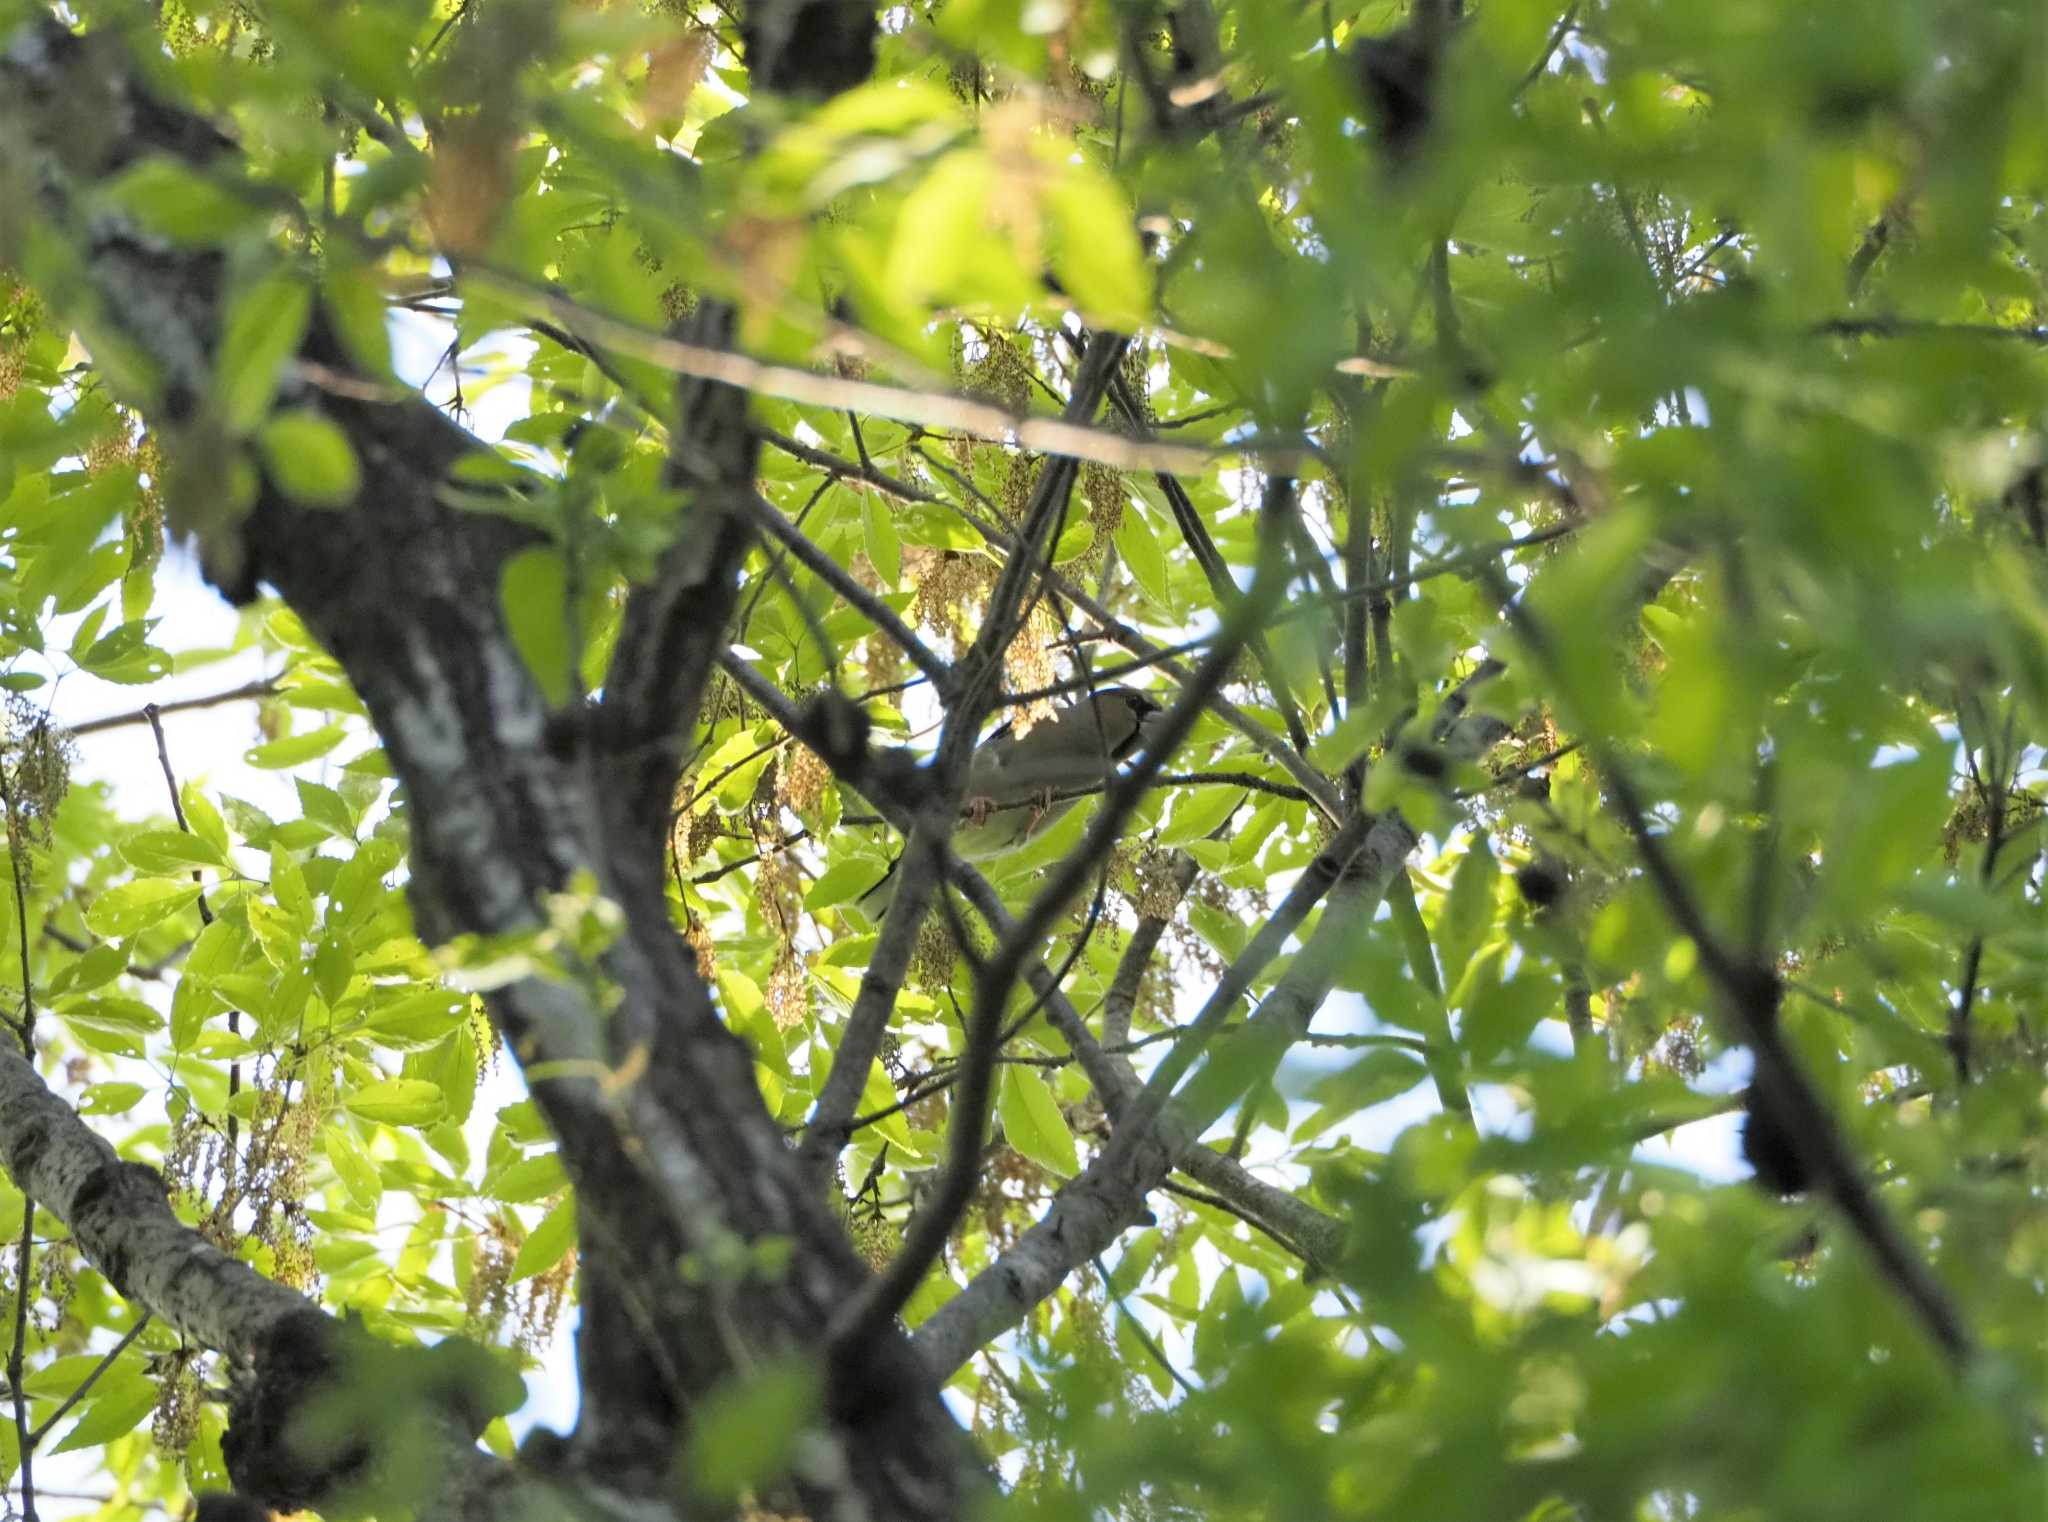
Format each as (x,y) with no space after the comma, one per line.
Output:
(1014,780)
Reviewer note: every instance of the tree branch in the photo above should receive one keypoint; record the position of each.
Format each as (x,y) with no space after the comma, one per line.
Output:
(770,521)
(1089,1212)
(1749,994)
(931,1227)
(262,688)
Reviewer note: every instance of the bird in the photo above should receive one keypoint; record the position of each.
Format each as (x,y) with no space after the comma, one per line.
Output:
(1013,779)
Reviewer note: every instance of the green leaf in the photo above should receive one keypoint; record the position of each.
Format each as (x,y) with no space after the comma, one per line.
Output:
(169,851)
(942,250)
(398,1102)
(333,966)
(1197,811)
(1095,248)
(885,550)
(418,1020)
(847,880)
(548,1243)
(115,1016)
(59,550)
(263,324)
(94,968)
(294,750)
(170,197)
(352,1165)
(1468,912)
(1140,551)
(117,1405)
(110,1098)
(125,655)
(204,819)
(535,594)
(288,887)
(528,1179)
(326,808)
(745,1432)
(310,459)
(129,908)
(354,299)
(1032,1122)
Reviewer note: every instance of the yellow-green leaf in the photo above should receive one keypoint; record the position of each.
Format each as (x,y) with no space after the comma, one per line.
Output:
(295,750)
(1032,1121)
(548,1243)
(398,1102)
(127,908)
(264,322)
(535,594)
(310,459)
(1095,247)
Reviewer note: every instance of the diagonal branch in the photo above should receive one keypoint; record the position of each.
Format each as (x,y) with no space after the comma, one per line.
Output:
(881,778)
(933,1225)
(1088,1214)
(971,687)
(771,522)
(1784,1099)
(1203,547)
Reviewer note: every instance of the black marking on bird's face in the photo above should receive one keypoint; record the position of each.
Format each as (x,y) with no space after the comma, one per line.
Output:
(1143,706)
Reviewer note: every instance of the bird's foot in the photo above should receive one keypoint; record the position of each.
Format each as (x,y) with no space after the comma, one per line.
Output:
(1041,807)
(978,809)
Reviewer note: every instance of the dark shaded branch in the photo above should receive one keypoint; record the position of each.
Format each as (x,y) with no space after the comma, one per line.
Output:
(1920,327)
(24,1439)
(766,517)
(1996,761)
(932,1226)
(1111,627)
(1195,534)
(1122,998)
(1749,993)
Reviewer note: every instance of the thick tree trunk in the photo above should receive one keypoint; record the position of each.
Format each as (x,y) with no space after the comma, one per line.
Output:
(686,1191)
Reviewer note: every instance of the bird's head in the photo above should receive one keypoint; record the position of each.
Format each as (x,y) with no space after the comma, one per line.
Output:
(1129,718)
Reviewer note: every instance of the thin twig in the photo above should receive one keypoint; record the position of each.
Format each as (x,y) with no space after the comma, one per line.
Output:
(24,1439)
(25,1253)
(151,971)
(767,517)
(263,688)
(1217,1202)
(1517,773)
(1122,999)
(92,1378)
(1059,437)
(1138,1331)
(154,715)
(1537,69)
(1973,959)
(1915,327)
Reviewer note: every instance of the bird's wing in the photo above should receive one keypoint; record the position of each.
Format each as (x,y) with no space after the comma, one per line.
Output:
(1072,749)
